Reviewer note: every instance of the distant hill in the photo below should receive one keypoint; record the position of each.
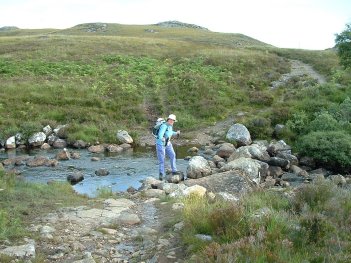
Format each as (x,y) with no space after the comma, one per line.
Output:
(171,30)
(8,28)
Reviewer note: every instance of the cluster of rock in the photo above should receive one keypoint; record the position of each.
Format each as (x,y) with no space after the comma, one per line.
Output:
(93,27)
(179,24)
(49,138)
(231,171)
(264,163)
(56,138)
(8,28)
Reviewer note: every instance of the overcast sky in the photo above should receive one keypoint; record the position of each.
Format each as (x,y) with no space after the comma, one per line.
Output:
(307,24)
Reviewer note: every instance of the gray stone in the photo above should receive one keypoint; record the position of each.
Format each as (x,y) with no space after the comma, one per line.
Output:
(113,148)
(276,147)
(175,178)
(63,155)
(37,139)
(45,146)
(225,150)
(198,167)
(124,137)
(26,251)
(232,182)
(276,161)
(79,144)
(253,151)
(59,143)
(298,171)
(292,179)
(102,172)
(195,190)
(37,161)
(96,148)
(10,143)
(127,218)
(47,130)
(254,169)
(204,237)
(75,177)
(240,134)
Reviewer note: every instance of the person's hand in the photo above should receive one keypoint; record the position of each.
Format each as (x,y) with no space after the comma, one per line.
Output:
(178,133)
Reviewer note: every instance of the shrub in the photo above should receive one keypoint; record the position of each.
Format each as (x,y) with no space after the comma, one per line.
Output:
(261,98)
(260,128)
(342,42)
(314,196)
(343,112)
(229,222)
(330,148)
(298,122)
(324,122)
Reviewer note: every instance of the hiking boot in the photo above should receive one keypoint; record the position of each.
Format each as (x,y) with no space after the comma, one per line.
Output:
(160,177)
(176,173)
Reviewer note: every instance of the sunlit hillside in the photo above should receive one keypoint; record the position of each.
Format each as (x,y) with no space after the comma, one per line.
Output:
(100,77)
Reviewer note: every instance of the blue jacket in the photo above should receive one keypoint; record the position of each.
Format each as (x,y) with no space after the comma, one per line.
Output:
(166,132)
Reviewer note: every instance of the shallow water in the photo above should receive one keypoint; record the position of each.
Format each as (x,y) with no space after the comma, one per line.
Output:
(126,169)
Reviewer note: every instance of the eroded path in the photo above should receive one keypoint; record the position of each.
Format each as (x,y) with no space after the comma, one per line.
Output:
(113,230)
(299,69)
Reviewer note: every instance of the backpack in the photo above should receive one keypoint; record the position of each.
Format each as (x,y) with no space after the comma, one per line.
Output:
(157,126)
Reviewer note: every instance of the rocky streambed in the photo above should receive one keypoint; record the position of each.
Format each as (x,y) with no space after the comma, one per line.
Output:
(121,170)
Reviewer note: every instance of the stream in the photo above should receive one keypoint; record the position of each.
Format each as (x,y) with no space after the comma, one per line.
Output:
(126,169)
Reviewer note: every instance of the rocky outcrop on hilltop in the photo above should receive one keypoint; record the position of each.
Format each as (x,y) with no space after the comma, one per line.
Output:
(179,24)
(8,28)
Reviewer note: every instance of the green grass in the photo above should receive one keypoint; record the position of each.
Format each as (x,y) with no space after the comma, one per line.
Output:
(312,226)
(21,202)
(123,76)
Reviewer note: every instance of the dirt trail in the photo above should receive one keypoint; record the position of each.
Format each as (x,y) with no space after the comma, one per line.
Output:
(132,229)
(299,69)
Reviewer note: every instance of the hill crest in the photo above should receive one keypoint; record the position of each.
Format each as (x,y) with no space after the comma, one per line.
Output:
(174,23)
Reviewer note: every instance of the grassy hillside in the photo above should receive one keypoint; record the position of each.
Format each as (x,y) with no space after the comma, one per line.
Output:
(102,77)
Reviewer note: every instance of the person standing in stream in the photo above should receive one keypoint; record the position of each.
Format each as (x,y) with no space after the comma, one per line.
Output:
(164,145)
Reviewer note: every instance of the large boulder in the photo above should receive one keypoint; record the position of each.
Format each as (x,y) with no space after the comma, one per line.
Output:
(254,169)
(291,158)
(75,177)
(225,150)
(175,178)
(124,137)
(96,148)
(240,134)
(276,161)
(79,144)
(114,148)
(47,130)
(38,161)
(198,167)
(253,151)
(37,139)
(60,131)
(59,143)
(276,147)
(232,182)
(10,143)
(63,155)
(195,190)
